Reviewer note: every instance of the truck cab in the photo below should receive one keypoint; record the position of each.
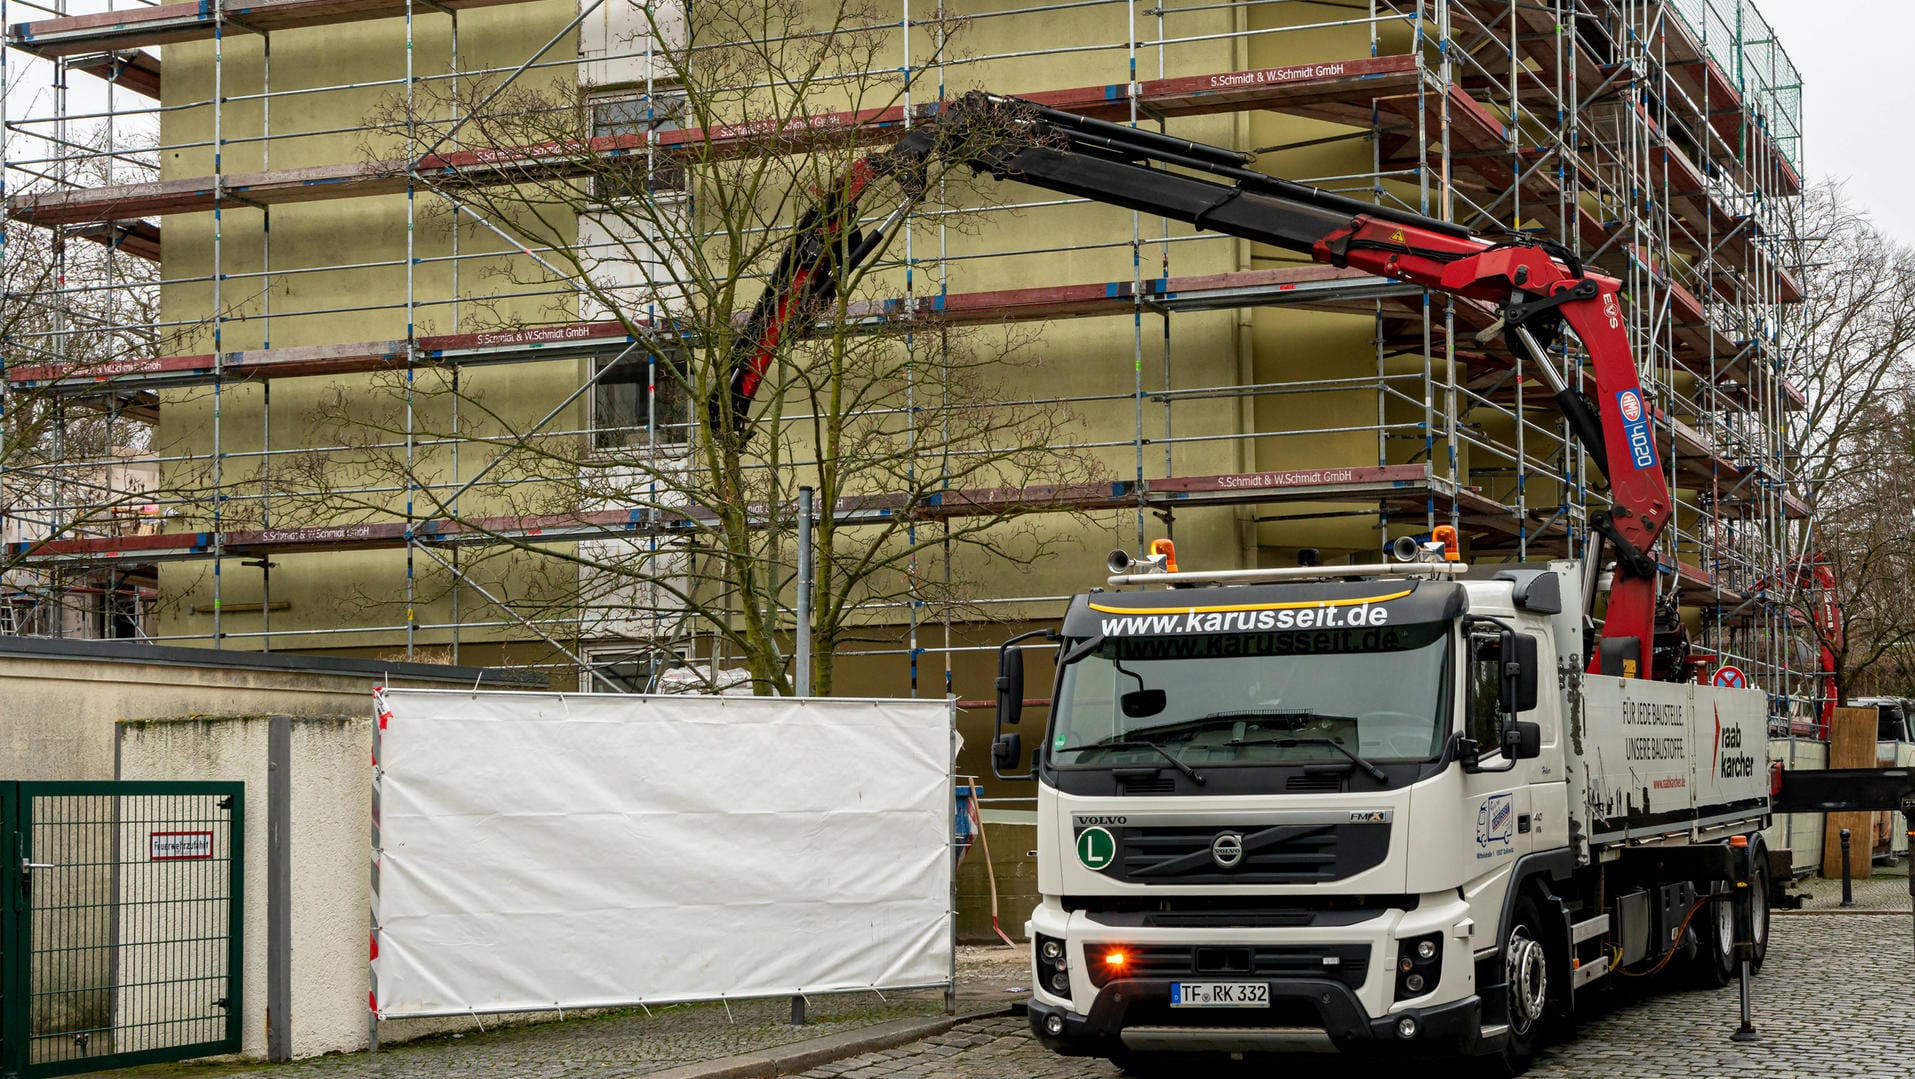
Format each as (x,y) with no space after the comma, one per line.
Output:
(1310,811)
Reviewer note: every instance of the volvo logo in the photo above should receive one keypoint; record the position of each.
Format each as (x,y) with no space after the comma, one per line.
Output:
(1226,850)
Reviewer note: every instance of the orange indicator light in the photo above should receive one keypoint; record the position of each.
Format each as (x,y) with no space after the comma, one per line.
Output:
(1168,550)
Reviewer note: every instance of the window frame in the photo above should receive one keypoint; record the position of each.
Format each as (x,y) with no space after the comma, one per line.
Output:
(665,181)
(599,657)
(670,429)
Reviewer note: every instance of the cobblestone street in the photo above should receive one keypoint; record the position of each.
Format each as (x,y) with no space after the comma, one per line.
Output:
(1829,979)
(1835,999)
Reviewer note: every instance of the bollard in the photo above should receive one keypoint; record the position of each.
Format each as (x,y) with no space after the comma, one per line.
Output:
(1744,930)
(1848,887)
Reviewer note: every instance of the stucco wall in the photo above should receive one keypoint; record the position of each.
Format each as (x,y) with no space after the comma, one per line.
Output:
(218,748)
(61,710)
(330,851)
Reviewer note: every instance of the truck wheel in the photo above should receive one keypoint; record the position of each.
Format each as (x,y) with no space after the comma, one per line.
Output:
(1759,909)
(1714,927)
(1526,967)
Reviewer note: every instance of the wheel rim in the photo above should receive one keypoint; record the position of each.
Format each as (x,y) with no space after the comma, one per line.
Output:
(1528,980)
(1725,927)
(1759,912)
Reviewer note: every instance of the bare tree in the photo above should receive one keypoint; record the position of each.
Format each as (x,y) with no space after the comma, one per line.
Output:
(665,206)
(78,454)
(1855,340)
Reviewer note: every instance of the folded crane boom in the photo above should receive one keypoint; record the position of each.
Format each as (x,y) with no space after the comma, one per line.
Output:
(1535,287)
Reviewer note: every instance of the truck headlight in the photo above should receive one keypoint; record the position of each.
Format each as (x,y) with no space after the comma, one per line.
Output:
(1419,965)
(1053,966)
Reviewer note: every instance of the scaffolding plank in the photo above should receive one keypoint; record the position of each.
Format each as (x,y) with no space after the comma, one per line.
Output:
(1336,89)
(492,346)
(1697,579)
(1392,483)
(134,69)
(1405,490)
(1536,33)
(1279,285)
(1317,484)
(202,193)
(1305,88)
(1734,286)
(198,20)
(1694,453)
(135,237)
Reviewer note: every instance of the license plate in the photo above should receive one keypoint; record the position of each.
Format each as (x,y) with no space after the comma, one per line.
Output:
(1219,994)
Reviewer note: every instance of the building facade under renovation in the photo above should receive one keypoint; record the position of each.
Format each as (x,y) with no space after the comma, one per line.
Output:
(419,376)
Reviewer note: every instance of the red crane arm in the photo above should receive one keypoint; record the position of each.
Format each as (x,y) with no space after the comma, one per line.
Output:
(1535,286)
(1626,451)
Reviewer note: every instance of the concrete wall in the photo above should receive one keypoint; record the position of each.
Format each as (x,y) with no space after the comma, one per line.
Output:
(63,698)
(104,710)
(1010,837)
(330,850)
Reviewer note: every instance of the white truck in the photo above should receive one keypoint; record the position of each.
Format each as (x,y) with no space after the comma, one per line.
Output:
(1371,807)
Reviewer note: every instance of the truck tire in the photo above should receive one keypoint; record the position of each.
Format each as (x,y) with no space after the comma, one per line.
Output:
(1526,965)
(1759,906)
(1714,928)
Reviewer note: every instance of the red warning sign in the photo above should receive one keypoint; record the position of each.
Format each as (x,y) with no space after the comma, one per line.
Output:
(1730,678)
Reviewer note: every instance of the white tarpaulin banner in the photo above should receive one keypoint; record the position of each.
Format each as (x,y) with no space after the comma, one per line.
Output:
(540,850)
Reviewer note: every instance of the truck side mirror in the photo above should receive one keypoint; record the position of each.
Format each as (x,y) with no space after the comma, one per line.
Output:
(1520,679)
(1523,741)
(1006,750)
(1010,685)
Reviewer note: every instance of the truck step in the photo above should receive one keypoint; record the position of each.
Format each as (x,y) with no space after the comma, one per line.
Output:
(1589,972)
(1596,926)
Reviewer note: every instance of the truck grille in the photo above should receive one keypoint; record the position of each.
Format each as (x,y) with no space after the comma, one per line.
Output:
(1157,784)
(1276,854)
(1346,963)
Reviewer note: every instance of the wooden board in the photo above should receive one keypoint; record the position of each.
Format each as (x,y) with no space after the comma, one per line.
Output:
(1851,745)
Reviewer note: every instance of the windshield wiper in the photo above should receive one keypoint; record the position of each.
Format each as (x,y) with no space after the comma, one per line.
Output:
(1300,715)
(1136,743)
(1375,773)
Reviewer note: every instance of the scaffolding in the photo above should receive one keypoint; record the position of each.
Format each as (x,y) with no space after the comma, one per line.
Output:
(1657,139)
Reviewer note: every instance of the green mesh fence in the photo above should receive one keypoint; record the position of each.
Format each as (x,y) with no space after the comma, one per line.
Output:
(120,941)
(1743,45)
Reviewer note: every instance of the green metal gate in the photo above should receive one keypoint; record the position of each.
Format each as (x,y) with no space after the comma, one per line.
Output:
(120,908)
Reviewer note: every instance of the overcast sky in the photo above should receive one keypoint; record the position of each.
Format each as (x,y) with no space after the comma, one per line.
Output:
(1858,98)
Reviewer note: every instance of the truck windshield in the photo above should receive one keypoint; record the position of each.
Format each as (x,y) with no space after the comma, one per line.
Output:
(1252,698)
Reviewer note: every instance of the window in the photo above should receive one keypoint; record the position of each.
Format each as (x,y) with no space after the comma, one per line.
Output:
(1258,698)
(642,400)
(625,669)
(638,172)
